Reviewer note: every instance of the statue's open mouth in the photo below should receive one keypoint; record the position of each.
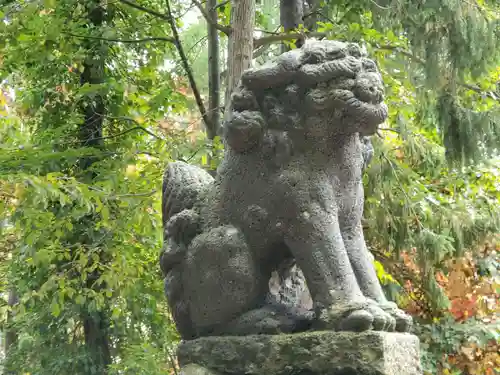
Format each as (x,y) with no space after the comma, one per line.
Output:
(369,114)
(367,111)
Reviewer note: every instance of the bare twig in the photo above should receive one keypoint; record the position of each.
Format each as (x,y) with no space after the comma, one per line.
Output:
(477,89)
(185,64)
(390,130)
(268,32)
(225,29)
(261,51)
(199,41)
(281,37)
(417,59)
(138,127)
(401,51)
(221,4)
(324,16)
(120,196)
(379,6)
(144,9)
(314,10)
(172,362)
(391,164)
(131,130)
(401,273)
(127,41)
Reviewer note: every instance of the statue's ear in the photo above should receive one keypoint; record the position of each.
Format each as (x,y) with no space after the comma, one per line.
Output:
(243,99)
(244,130)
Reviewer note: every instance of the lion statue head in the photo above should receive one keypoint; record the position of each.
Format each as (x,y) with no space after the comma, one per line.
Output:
(323,88)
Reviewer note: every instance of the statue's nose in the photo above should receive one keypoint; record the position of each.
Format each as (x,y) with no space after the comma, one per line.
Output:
(369,88)
(369,92)
(376,93)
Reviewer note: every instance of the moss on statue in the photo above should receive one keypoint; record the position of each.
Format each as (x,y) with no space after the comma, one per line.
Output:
(309,353)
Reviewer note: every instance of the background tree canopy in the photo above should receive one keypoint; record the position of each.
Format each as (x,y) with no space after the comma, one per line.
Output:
(97,96)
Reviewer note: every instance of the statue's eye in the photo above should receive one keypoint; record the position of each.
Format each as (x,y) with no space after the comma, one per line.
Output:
(369,66)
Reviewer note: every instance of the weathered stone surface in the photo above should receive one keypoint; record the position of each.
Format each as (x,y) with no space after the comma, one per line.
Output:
(193,369)
(289,187)
(309,353)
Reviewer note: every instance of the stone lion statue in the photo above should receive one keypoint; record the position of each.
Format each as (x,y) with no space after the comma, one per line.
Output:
(289,188)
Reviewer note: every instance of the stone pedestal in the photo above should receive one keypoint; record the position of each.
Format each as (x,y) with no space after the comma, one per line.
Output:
(310,353)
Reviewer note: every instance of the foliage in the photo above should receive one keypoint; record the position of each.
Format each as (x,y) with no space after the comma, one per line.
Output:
(84,246)
(77,242)
(450,46)
(467,339)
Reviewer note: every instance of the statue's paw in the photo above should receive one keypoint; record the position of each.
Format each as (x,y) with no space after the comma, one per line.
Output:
(357,321)
(193,369)
(404,322)
(270,319)
(353,316)
(382,320)
(183,227)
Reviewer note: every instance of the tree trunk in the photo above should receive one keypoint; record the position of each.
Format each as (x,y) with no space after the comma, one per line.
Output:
(240,47)
(310,17)
(10,333)
(95,323)
(291,13)
(214,73)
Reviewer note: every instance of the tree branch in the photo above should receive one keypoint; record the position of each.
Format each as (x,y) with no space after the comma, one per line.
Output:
(312,11)
(379,6)
(145,10)
(259,52)
(221,4)
(401,51)
(127,41)
(187,67)
(168,16)
(137,127)
(281,37)
(225,29)
(417,59)
(131,130)
(477,89)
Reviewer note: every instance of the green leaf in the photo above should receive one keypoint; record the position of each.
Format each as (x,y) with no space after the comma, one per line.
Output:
(55,308)
(116,313)
(80,300)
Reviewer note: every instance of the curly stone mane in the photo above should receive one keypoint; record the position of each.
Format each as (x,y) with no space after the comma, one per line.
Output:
(272,103)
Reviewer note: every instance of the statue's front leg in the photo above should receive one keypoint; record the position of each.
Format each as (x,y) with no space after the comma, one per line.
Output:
(315,240)
(362,263)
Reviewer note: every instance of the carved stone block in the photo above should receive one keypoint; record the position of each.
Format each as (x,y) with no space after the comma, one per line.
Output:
(308,353)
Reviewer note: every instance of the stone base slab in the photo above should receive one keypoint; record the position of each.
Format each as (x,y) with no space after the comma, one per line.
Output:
(309,353)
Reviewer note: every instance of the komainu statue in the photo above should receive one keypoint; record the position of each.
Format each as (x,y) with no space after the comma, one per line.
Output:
(289,188)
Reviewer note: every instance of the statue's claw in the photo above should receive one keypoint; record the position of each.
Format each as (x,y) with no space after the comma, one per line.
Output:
(404,322)
(382,320)
(346,317)
(270,319)
(357,321)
